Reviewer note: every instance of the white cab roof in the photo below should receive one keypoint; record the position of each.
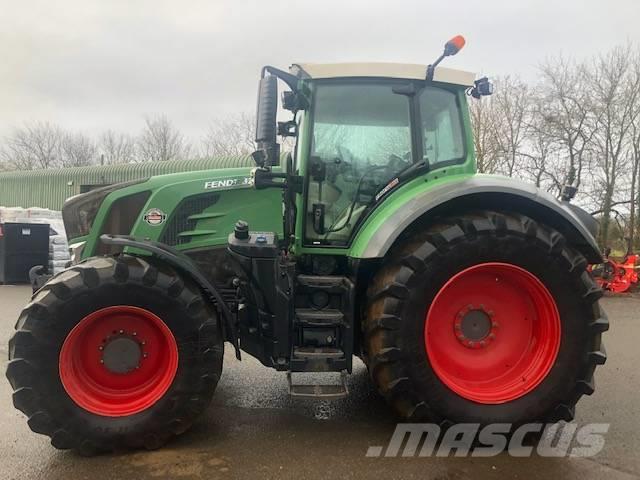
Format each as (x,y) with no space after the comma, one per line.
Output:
(384,70)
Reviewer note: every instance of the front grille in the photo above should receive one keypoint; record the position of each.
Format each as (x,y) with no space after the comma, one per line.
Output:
(120,220)
(179,220)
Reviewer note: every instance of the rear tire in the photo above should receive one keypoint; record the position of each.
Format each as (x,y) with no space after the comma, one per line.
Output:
(148,376)
(410,369)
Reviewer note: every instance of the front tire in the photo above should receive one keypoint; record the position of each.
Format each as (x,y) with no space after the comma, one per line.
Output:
(485,318)
(114,353)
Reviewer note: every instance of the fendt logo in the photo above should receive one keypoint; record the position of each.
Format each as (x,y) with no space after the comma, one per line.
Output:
(226,183)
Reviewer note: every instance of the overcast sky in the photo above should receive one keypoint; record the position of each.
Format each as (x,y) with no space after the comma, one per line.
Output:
(91,65)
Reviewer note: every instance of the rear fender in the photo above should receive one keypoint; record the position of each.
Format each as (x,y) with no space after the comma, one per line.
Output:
(480,192)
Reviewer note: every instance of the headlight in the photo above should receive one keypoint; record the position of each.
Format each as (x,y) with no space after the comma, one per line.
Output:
(80,211)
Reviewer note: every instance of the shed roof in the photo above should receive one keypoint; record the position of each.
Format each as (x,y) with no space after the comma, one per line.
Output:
(144,168)
(49,188)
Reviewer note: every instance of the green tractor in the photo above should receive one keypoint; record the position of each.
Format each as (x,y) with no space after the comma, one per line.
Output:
(466,295)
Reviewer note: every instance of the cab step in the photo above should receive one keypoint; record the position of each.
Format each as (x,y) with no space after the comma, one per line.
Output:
(319,318)
(331,391)
(317,353)
(324,282)
(322,339)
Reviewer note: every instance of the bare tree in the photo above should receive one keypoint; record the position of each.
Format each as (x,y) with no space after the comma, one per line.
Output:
(634,196)
(4,166)
(231,136)
(77,150)
(483,123)
(616,90)
(235,136)
(512,107)
(161,141)
(542,153)
(565,107)
(117,148)
(35,145)
(542,163)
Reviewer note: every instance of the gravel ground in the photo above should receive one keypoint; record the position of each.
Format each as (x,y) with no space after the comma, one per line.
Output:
(254,430)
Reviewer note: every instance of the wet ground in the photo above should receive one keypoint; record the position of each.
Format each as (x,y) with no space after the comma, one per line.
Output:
(253,429)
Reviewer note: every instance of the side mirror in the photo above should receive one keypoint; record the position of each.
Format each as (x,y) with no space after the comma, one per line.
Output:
(266,128)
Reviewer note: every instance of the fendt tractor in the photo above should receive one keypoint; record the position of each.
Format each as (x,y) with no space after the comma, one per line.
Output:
(467,296)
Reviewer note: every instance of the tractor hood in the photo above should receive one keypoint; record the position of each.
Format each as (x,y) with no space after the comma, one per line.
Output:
(186,210)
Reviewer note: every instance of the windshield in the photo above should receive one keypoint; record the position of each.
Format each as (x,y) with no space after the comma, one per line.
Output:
(361,138)
(362,141)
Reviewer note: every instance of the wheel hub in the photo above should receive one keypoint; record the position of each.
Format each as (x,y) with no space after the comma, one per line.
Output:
(475,326)
(121,355)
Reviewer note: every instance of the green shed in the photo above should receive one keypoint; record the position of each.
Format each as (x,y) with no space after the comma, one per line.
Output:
(50,188)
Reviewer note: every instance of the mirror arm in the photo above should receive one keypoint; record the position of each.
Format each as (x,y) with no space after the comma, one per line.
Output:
(286,77)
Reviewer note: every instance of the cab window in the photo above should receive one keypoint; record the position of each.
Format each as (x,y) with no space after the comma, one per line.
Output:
(441,118)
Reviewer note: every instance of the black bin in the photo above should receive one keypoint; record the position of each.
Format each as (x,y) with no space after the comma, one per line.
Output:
(22,246)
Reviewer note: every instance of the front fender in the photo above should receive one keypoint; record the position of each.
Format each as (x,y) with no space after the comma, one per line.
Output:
(472,193)
(184,265)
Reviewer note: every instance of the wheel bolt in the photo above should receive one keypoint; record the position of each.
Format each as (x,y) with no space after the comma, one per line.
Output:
(101,361)
(145,354)
(100,347)
(121,332)
(134,334)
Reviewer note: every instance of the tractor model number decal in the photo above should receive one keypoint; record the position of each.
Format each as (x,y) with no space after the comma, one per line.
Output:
(388,187)
(227,183)
(155,217)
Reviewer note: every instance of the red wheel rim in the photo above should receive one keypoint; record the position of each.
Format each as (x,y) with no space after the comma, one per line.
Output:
(118,361)
(492,333)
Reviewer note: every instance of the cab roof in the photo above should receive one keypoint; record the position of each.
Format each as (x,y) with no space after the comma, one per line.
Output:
(381,70)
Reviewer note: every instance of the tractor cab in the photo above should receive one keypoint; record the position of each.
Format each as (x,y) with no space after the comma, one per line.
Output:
(367,134)
(361,130)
